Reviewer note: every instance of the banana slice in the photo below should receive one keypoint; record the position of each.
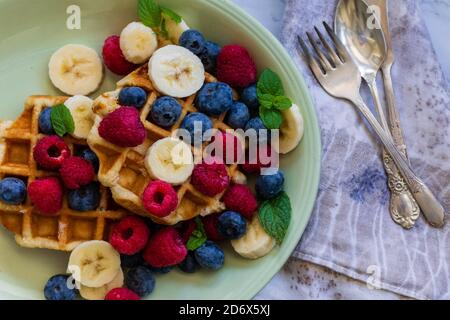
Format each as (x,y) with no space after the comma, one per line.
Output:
(176,72)
(83,116)
(76,70)
(256,243)
(138,42)
(101,292)
(291,131)
(170,160)
(94,263)
(175,30)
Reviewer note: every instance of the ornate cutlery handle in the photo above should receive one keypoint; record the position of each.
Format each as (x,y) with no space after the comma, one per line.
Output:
(431,208)
(402,206)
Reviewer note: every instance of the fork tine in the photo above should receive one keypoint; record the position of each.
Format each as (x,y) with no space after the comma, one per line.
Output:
(343,53)
(323,60)
(336,60)
(311,60)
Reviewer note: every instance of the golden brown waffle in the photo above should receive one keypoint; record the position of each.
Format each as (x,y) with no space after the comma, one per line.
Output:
(69,228)
(123,169)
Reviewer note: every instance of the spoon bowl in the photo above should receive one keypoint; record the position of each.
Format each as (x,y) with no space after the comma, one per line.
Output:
(360,31)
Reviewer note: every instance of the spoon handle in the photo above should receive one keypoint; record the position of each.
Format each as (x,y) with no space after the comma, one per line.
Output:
(431,208)
(403,208)
(393,116)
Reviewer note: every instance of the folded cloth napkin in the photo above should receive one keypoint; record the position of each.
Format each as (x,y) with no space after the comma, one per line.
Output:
(351,230)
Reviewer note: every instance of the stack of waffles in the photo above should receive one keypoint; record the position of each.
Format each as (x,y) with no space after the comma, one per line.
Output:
(123,169)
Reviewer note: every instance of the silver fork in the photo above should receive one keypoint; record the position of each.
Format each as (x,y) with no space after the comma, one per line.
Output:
(340,77)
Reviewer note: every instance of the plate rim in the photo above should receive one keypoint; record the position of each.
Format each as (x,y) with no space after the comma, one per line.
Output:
(291,71)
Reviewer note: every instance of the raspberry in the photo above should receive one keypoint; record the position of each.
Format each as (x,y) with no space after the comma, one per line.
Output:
(76,172)
(130,235)
(187,229)
(210,178)
(210,225)
(50,152)
(160,199)
(122,294)
(114,58)
(227,143)
(165,249)
(240,198)
(255,165)
(47,195)
(123,127)
(236,67)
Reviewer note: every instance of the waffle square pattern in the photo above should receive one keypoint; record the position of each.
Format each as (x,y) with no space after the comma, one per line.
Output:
(123,169)
(69,228)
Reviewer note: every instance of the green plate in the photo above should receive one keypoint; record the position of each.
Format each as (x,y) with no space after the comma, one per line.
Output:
(30,31)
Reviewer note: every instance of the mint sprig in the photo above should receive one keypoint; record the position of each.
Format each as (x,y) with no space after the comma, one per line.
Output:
(272,99)
(150,13)
(270,83)
(275,216)
(198,237)
(154,16)
(271,118)
(62,120)
(171,14)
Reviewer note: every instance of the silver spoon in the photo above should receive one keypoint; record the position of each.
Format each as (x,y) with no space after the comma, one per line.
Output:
(361,33)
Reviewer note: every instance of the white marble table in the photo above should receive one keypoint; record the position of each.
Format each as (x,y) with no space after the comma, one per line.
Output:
(301,280)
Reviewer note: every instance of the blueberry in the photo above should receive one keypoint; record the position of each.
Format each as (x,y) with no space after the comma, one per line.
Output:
(231,225)
(209,56)
(57,289)
(140,280)
(133,97)
(164,270)
(215,98)
(196,119)
(250,97)
(210,256)
(45,122)
(269,186)
(133,261)
(89,155)
(258,125)
(193,40)
(87,198)
(238,116)
(12,191)
(166,111)
(190,264)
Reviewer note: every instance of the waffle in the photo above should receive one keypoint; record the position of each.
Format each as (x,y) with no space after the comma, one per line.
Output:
(69,228)
(123,169)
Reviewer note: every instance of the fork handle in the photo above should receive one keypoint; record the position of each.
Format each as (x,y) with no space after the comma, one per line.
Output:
(431,208)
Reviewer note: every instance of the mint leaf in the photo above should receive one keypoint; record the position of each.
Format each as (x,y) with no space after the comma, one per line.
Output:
(164,31)
(270,83)
(171,14)
(198,237)
(282,103)
(150,13)
(62,120)
(271,118)
(266,101)
(275,216)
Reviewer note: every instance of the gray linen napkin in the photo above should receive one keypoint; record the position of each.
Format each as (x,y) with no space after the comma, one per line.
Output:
(351,230)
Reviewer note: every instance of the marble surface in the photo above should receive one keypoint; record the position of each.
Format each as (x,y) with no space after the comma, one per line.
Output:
(300,280)
(435,12)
